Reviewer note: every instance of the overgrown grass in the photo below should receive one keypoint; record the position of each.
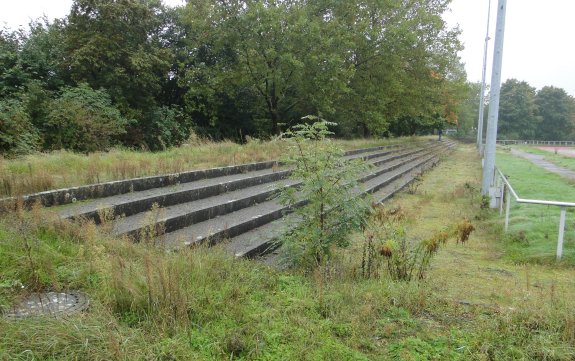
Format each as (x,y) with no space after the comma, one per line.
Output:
(561,160)
(201,304)
(533,229)
(44,171)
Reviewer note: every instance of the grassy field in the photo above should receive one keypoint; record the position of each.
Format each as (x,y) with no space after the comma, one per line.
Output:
(44,171)
(200,304)
(533,229)
(561,160)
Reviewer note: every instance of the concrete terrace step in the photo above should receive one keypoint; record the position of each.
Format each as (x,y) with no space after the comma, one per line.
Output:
(241,221)
(102,190)
(128,204)
(185,214)
(261,240)
(136,202)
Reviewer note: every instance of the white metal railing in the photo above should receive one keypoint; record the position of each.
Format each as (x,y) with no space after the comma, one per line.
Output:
(507,186)
(563,143)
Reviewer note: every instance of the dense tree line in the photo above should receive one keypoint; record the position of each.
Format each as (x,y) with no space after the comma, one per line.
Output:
(527,113)
(141,74)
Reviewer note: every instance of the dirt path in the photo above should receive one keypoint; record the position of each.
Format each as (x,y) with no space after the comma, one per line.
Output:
(540,161)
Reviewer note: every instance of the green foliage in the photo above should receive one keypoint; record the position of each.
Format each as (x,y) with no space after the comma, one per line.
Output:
(330,188)
(116,46)
(468,112)
(84,120)
(556,109)
(17,134)
(518,111)
(242,68)
(167,126)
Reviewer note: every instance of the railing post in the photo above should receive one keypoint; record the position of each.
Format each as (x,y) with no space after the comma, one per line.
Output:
(507,206)
(503,185)
(561,233)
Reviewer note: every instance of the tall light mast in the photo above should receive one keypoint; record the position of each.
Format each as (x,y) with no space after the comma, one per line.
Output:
(482,95)
(490,143)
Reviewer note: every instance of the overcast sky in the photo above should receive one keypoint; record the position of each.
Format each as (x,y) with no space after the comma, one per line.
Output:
(538,39)
(538,44)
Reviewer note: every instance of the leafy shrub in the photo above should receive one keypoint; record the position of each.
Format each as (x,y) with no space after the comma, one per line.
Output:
(83,119)
(17,134)
(330,189)
(169,126)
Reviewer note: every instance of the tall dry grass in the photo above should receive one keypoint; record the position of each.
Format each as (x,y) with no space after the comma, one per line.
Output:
(60,169)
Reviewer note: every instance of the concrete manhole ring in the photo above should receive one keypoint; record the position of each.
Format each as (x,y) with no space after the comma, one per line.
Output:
(54,304)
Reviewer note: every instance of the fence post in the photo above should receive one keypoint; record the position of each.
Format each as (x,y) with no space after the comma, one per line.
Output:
(503,185)
(507,206)
(561,233)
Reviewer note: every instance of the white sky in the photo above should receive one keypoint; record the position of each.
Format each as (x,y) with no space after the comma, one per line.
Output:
(538,40)
(538,45)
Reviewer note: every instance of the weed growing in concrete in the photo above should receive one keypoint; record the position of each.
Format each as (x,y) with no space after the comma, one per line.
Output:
(329,188)
(403,259)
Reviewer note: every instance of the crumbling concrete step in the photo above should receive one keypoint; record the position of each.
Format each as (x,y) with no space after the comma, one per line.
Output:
(100,190)
(263,239)
(373,149)
(182,215)
(133,203)
(185,215)
(396,162)
(73,194)
(234,224)
(387,192)
(136,202)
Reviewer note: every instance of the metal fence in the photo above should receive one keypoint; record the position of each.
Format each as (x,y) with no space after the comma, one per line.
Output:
(561,143)
(506,190)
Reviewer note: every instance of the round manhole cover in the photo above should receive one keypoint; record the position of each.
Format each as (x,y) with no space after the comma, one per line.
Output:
(49,304)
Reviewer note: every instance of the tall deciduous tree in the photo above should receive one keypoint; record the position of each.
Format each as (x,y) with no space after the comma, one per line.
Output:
(404,61)
(518,110)
(557,111)
(273,49)
(115,45)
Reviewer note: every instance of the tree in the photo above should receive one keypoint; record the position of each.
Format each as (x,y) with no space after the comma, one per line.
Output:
(556,109)
(404,61)
(17,134)
(116,45)
(329,186)
(84,120)
(518,110)
(468,111)
(273,49)
(12,76)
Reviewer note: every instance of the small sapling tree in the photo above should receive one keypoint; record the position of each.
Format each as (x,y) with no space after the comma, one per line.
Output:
(329,188)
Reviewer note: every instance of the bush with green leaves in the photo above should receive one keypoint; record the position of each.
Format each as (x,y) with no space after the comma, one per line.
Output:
(84,120)
(17,134)
(333,206)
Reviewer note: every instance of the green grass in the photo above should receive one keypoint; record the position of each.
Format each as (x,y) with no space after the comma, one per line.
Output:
(201,304)
(533,229)
(60,169)
(561,160)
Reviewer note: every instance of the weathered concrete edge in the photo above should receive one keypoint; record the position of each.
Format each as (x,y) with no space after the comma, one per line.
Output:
(271,244)
(72,194)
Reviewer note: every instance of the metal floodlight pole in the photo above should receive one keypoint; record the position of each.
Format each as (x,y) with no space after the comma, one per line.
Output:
(482,95)
(491,139)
